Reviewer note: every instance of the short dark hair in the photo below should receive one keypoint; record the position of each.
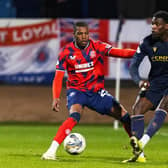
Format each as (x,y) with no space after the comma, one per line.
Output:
(162,14)
(80,24)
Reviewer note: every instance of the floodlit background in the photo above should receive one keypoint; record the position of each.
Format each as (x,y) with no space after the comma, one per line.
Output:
(31,35)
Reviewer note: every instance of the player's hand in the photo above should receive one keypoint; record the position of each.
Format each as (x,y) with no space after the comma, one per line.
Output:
(55,105)
(144,85)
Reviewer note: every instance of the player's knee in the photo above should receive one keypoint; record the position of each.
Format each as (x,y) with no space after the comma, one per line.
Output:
(76,116)
(75,108)
(164,104)
(134,109)
(164,107)
(139,109)
(142,106)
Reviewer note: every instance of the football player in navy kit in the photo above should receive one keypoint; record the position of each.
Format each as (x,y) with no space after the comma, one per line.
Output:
(155,89)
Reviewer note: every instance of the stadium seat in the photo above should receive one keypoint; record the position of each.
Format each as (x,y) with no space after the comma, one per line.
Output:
(28,9)
(7,9)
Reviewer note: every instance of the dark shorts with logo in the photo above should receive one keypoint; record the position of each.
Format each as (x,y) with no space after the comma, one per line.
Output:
(101,101)
(156,91)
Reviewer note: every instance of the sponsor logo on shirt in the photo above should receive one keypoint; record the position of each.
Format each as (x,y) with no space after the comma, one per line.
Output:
(160,58)
(84,67)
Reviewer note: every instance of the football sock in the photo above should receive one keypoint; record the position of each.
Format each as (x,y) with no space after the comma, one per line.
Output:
(65,129)
(144,140)
(156,122)
(142,154)
(126,121)
(75,115)
(53,147)
(137,125)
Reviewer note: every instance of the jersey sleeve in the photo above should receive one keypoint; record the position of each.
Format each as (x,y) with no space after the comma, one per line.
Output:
(57,84)
(107,50)
(103,47)
(62,61)
(141,52)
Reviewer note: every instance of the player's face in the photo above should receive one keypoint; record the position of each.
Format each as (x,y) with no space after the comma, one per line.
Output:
(81,36)
(158,28)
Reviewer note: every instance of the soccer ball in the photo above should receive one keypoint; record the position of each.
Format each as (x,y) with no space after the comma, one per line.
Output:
(74,143)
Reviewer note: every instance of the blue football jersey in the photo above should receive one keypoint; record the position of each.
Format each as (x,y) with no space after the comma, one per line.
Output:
(157,52)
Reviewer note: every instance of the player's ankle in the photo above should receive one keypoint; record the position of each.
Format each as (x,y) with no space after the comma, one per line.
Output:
(53,147)
(144,140)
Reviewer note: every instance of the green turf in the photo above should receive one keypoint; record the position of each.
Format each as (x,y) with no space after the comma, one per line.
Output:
(21,146)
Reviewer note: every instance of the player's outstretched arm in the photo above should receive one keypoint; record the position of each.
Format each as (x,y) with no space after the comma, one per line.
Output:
(121,53)
(56,89)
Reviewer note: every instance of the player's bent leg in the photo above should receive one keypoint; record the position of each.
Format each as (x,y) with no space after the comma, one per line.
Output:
(124,117)
(119,113)
(137,150)
(137,120)
(137,129)
(157,121)
(126,121)
(62,132)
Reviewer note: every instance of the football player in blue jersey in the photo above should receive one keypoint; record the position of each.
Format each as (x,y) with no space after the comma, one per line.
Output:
(154,91)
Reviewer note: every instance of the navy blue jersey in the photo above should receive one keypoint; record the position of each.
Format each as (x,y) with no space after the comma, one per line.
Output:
(157,52)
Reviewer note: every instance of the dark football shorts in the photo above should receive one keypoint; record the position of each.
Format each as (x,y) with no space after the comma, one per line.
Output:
(156,91)
(102,101)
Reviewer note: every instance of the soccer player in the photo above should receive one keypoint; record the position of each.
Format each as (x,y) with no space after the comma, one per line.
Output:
(84,61)
(154,91)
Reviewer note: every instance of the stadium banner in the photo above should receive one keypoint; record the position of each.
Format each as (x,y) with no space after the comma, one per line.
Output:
(28,52)
(29,48)
(133,32)
(98,30)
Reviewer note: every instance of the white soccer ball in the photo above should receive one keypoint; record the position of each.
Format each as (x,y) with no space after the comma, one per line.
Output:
(74,143)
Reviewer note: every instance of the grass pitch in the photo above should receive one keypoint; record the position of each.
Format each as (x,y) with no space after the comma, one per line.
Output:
(21,146)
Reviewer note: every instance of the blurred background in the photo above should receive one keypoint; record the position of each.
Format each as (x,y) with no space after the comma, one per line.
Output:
(31,34)
(81,8)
